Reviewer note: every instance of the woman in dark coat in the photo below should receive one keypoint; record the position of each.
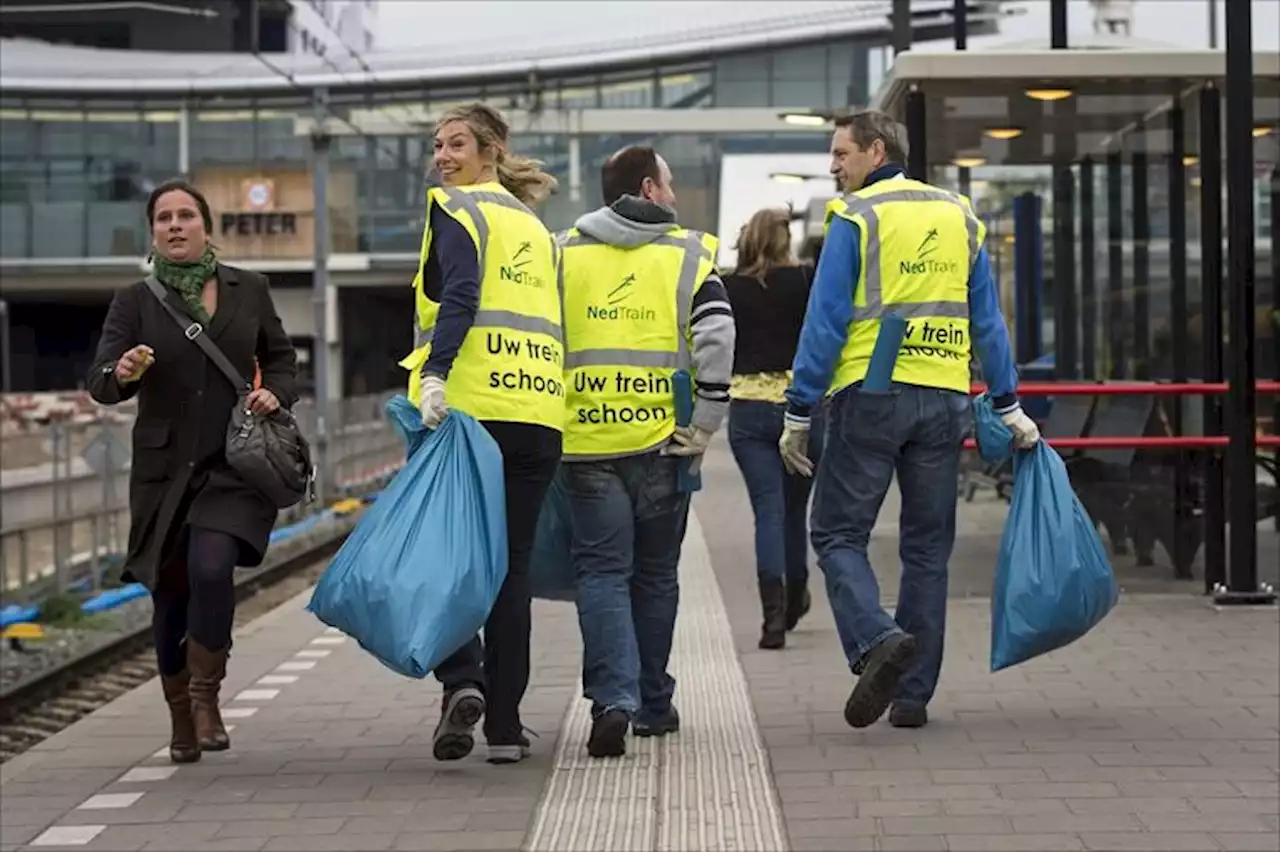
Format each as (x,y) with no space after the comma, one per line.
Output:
(192,518)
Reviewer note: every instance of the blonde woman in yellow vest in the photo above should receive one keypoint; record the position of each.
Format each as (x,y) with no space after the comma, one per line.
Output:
(488,342)
(642,299)
(900,245)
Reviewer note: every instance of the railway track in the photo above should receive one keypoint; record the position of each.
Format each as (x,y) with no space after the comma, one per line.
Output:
(41,707)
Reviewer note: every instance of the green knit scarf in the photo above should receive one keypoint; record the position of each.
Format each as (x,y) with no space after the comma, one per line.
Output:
(187,279)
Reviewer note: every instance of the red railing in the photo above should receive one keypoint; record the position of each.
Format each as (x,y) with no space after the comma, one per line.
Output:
(1137,389)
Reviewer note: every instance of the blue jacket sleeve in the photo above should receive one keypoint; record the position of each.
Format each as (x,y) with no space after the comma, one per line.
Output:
(453,254)
(991,336)
(827,318)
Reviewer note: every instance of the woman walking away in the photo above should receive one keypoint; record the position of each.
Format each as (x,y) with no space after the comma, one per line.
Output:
(490,344)
(769,291)
(192,518)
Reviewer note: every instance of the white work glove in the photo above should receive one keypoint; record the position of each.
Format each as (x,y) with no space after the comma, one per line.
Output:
(794,445)
(432,404)
(688,441)
(1026,434)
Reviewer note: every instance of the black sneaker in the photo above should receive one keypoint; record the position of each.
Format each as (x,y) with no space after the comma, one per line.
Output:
(509,752)
(609,734)
(667,724)
(908,716)
(454,737)
(882,668)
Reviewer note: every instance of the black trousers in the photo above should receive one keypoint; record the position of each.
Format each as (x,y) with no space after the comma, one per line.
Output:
(500,668)
(194,595)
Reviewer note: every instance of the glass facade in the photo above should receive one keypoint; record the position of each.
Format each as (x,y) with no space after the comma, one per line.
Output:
(74,175)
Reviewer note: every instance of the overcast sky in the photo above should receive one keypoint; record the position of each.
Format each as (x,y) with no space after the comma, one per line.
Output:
(404,24)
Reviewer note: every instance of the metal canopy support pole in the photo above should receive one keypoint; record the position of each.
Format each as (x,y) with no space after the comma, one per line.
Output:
(917,153)
(1215,535)
(6,349)
(320,291)
(1182,498)
(960,23)
(1275,305)
(1088,278)
(1116,331)
(1064,272)
(901,26)
(1242,402)
(1058,24)
(1141,260)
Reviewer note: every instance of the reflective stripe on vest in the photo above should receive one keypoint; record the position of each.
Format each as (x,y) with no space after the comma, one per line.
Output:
(510,364)
(875,308)
(609,432)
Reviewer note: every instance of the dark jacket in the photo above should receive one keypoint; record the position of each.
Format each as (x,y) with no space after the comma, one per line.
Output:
(769,316)
(179,472)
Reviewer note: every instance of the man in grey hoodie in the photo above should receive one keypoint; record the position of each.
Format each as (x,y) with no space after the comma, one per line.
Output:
(642,301)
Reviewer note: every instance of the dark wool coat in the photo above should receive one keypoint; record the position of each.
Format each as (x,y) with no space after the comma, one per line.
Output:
(179,473)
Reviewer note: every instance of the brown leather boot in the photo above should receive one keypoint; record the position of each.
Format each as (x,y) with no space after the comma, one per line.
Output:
(183,745)
(208,668)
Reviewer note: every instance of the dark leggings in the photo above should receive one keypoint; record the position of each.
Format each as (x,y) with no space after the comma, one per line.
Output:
(195,595)
(500,666)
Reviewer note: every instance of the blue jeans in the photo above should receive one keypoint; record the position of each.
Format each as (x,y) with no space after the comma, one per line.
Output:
(917,432)
(779,501)
(628,527)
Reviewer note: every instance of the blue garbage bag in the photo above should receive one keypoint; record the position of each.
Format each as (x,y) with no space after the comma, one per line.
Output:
(551,574)
(995,440)
(418,575)
(1053,580)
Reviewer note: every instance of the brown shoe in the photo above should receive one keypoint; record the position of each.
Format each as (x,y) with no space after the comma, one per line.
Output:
(183,745)
(208,668)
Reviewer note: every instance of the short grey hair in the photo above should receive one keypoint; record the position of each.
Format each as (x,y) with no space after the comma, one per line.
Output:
(870,125)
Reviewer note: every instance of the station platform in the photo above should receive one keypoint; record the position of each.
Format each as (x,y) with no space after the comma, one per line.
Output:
(1160,730)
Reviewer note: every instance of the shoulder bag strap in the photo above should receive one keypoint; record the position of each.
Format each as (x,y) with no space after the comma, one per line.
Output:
(194,331)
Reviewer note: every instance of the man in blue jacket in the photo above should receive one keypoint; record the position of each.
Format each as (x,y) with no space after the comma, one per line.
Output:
(894,245)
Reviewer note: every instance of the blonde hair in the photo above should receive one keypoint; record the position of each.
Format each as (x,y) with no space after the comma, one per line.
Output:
(523,177)
(764,243)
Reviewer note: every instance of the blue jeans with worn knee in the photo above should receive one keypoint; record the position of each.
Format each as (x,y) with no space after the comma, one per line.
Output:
(779,500)
(628,527)
(918,433)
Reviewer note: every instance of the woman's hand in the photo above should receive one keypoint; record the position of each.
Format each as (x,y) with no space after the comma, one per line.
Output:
(134,363)
(262,401)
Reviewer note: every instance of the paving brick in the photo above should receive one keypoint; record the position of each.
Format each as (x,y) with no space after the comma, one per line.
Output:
(1064,790)
(298,826)
(946,825)
(1075,823)
(1147,842)
(1248,842)
(227,844)
(1013,843)
(1238,822)
(909,843)
(1130,805)
(833,827)
(451,840)
(1004,807)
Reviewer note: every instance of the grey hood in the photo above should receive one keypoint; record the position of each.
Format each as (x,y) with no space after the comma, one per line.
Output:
(630,222)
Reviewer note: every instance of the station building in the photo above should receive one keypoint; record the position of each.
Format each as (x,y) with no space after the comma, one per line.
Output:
(87,132)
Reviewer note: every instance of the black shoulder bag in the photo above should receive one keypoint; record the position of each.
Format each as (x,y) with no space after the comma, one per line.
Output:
(268,451)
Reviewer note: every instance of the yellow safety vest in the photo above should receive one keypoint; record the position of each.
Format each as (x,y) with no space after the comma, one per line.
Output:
(918,245)
(510,366)
(626,321)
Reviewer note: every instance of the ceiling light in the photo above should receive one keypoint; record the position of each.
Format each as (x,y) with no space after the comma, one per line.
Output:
(804,119)
(1048,94)
(1003,133)
(969,162)
(1260,131)
(790,177)
(1190,160)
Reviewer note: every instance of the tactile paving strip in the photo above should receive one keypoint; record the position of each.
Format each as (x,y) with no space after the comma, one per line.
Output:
(707,787)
